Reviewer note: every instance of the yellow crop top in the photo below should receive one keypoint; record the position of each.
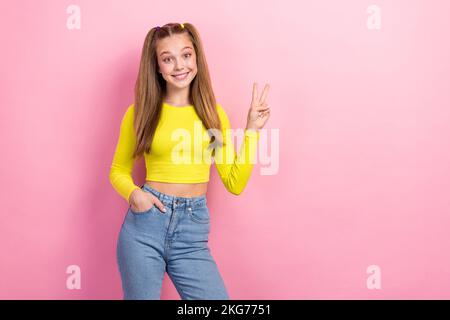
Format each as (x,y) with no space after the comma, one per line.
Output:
(179,152)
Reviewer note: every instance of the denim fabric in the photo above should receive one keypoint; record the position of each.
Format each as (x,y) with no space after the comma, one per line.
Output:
(176,241)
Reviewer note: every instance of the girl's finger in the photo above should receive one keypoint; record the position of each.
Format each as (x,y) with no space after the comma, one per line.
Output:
(262,107)
(260,104)
(262,113)
(255,93)
(160,205)
(264,93)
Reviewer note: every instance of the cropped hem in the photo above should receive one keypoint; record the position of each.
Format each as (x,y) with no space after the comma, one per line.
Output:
(177,180)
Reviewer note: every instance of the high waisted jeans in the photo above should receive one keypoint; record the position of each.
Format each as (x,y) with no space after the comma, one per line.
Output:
(175,241)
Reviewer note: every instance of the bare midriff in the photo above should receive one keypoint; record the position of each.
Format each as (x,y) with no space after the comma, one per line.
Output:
(186,190)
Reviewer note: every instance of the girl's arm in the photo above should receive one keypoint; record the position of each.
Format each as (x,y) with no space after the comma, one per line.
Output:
(123,162)
(235,169)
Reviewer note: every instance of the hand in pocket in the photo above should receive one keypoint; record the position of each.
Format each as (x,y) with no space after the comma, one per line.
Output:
(141,201)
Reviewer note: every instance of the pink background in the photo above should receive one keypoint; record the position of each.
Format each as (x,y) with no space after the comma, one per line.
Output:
(363,117)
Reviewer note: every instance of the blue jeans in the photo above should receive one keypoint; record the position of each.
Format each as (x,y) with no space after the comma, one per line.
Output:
(175,241)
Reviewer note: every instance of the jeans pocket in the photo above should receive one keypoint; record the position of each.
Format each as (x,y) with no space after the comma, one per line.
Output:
(199,214)
(140,213)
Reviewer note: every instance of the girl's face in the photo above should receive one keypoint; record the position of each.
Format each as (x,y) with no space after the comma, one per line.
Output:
(177,60)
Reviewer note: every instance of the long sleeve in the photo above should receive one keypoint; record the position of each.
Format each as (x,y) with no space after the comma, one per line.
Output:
(235,169)
(123,162)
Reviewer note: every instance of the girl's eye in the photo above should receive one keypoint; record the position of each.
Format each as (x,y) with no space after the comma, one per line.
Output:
(187,54)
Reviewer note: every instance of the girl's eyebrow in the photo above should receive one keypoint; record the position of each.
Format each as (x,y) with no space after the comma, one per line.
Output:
(170,52)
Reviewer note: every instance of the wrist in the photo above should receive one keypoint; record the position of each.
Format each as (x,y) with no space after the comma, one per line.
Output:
(131,199)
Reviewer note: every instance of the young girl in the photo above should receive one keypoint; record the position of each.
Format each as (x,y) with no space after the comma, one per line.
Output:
(176,124)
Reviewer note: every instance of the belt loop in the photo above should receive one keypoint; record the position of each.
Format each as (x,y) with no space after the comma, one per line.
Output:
(174,202)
